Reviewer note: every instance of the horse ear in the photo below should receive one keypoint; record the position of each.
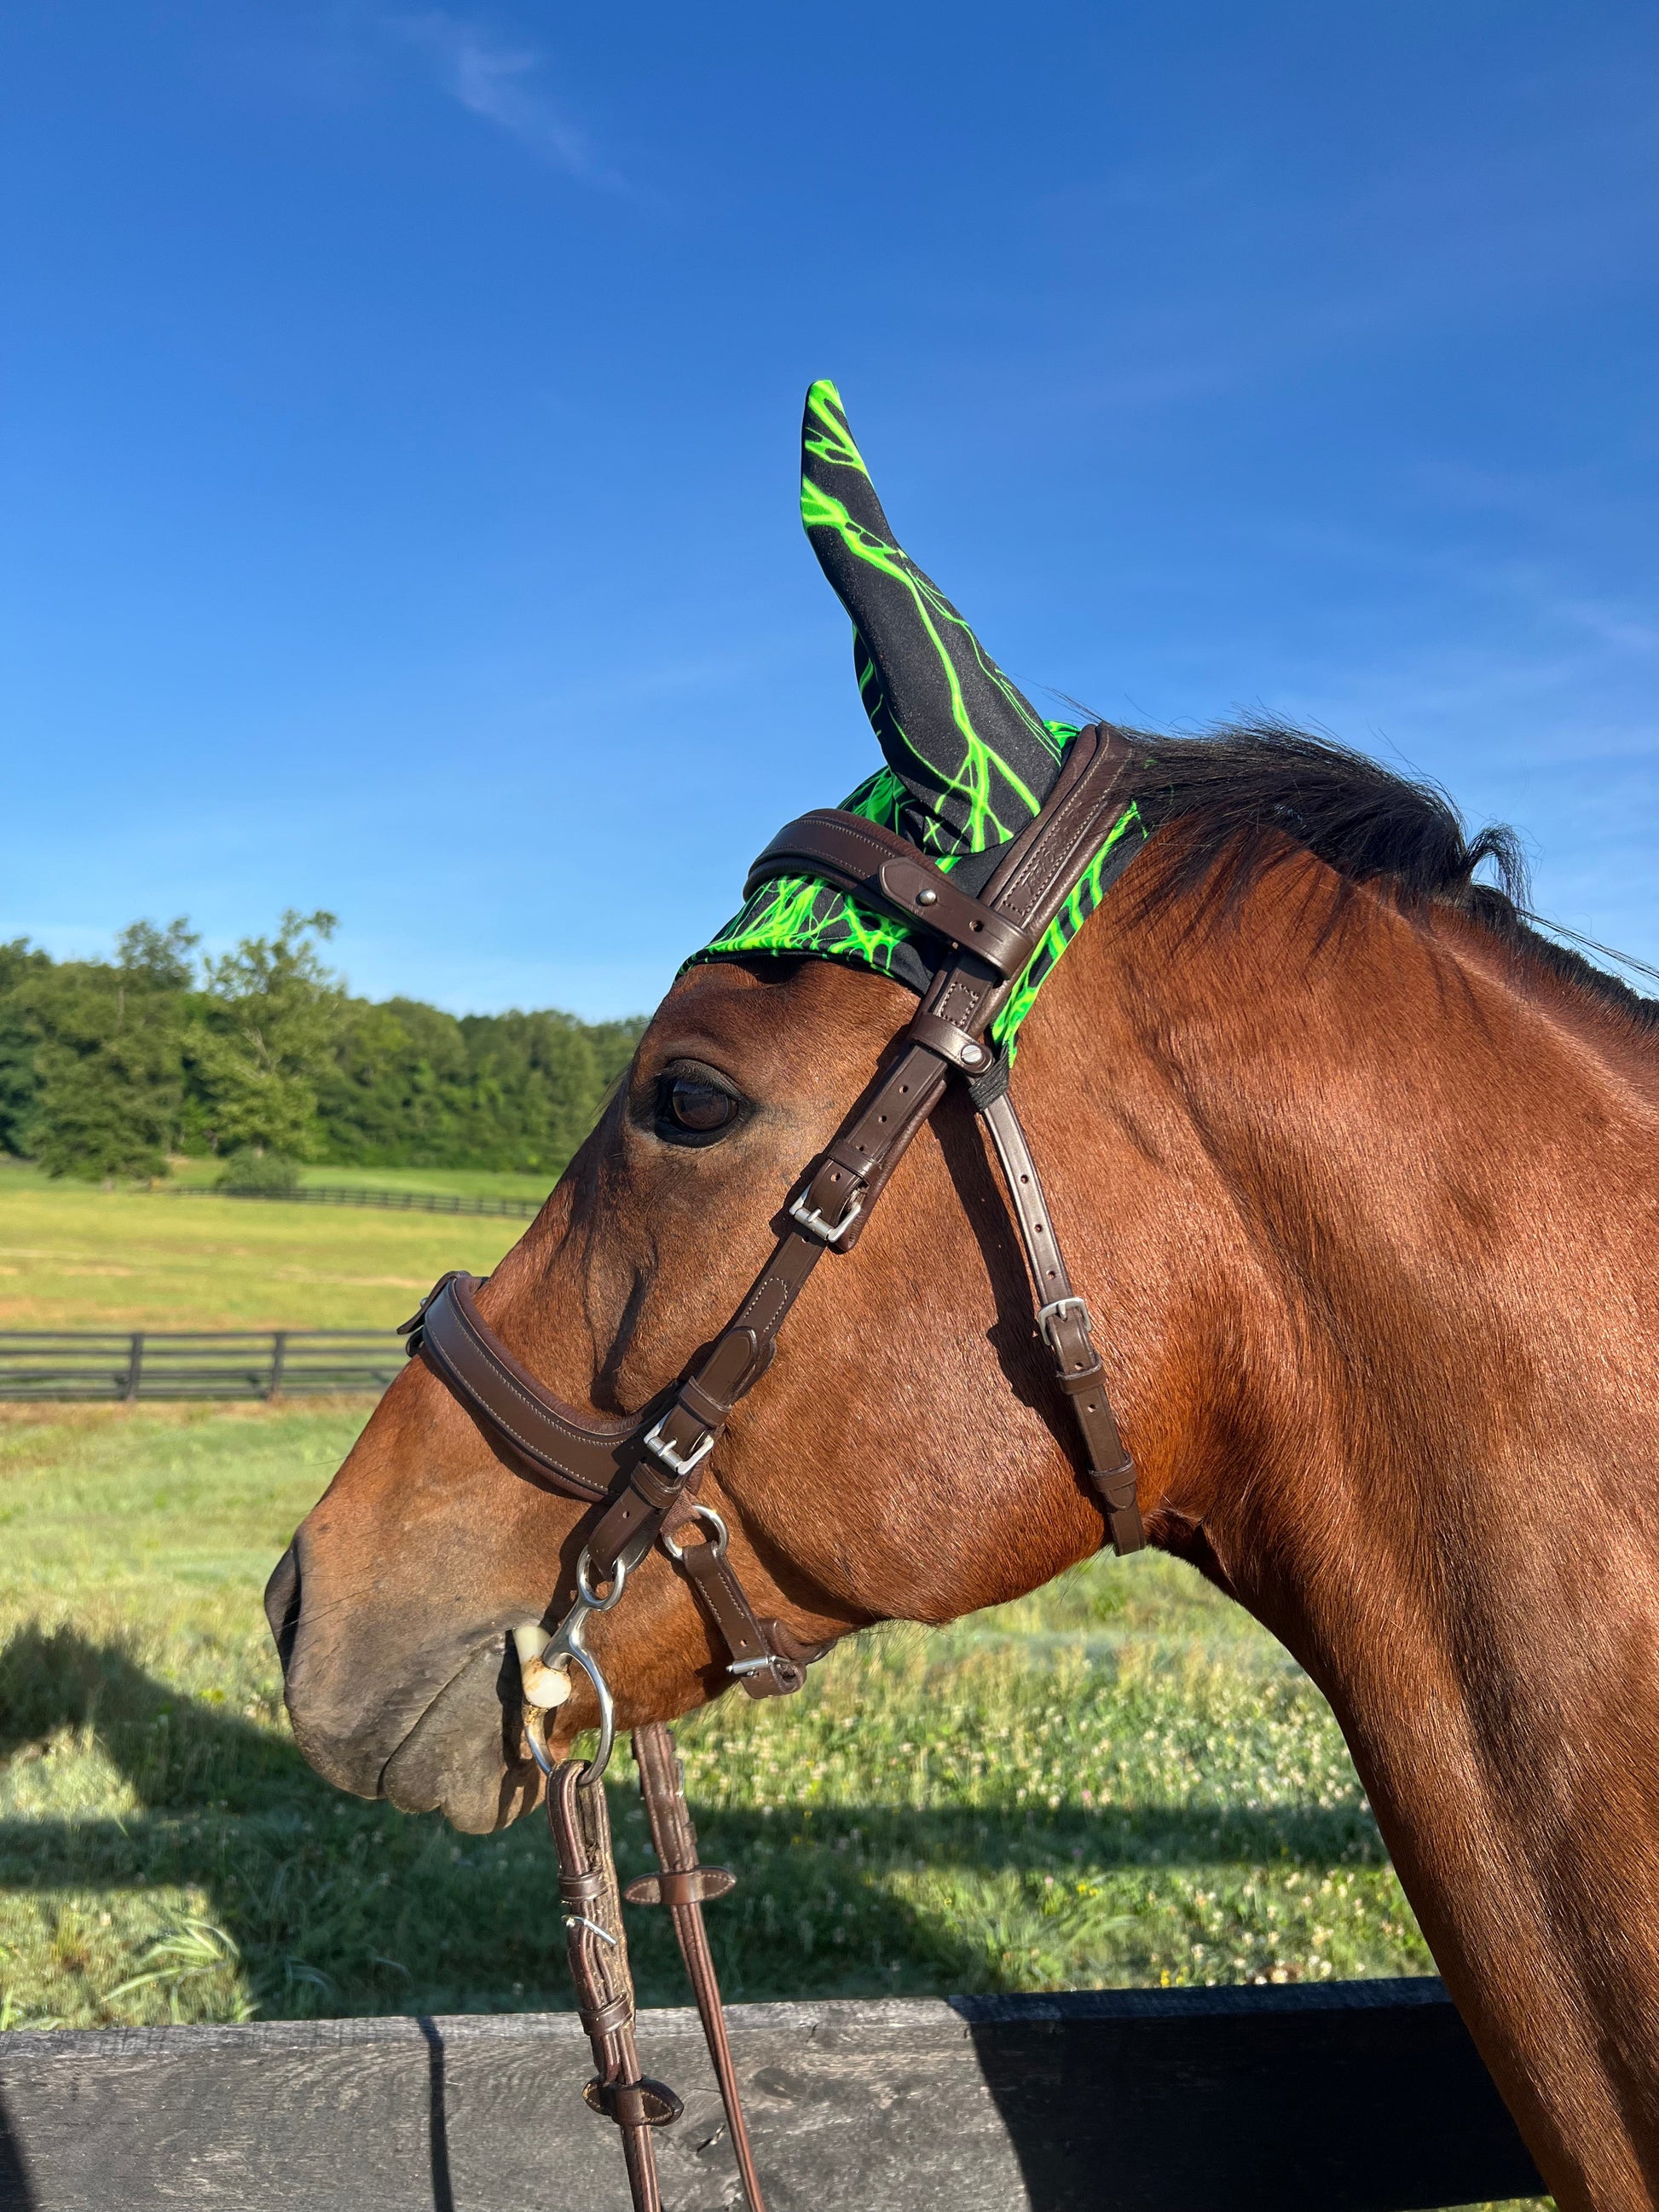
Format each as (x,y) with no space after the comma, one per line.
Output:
(975,758)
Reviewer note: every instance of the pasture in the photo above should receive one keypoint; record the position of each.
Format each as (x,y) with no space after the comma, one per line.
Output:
(75,1256)
(1121,1780)
(465,1182)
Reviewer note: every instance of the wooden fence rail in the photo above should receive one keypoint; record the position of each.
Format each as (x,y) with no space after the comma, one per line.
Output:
(397,1201)
(129,1364)
(1340,2097)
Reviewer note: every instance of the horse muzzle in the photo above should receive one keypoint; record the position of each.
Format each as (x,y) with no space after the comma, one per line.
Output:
(432,1728)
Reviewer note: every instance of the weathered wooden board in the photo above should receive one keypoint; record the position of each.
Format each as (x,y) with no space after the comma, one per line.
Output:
(1351,2097)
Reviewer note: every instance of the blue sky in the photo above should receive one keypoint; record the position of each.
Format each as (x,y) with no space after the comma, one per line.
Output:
(402,405)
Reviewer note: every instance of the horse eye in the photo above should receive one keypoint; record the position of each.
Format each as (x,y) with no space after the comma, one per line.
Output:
(690,1107)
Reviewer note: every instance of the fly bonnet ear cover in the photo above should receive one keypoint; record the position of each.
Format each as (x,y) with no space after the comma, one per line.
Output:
(969,760)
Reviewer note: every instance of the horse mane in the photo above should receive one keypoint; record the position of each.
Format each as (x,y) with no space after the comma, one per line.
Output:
(1251,795)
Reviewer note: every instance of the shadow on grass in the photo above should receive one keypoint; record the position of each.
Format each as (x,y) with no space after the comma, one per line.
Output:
(338,1907)
(341,1907)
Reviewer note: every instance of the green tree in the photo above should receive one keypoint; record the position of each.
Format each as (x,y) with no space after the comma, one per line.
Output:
(107,1066)
(20,1080)
(108,1057)
(162,959)
(267,1026)
(396,1094)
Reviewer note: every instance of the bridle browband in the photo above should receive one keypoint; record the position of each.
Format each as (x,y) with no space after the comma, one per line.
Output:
(644,1473)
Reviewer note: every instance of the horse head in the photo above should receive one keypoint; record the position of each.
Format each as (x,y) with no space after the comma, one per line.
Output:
(908,1456)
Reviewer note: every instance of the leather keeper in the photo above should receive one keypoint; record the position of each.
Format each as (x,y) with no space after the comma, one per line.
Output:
(950,914)
(694,1885)
(655,1483)
(710,1413)
(607,2019)
(830,1192)
(1079,1381)
(1117,1493)
(958,1046)
(858,1159)
(641,2104)
(711,1393)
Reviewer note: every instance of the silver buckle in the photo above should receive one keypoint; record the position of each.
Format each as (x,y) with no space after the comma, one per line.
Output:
(809,1219)
(1052,1313)
(682,1464)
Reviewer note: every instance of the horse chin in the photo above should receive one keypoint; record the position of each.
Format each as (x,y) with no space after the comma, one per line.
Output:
(455,1759)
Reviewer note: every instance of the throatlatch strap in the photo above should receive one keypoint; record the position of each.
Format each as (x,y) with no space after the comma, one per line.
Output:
(1063,1324)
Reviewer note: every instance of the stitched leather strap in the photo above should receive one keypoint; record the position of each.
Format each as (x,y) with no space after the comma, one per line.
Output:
(578,1454)
(682,1886)
(1035,877)
(597,1945)
(764,1671)
(886,870)
(1063,1324)
(654,1485)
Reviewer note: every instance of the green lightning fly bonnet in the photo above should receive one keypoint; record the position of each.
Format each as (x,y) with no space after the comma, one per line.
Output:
(962,868)
(968,762)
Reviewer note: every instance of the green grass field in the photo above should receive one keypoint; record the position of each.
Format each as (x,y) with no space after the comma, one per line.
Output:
(75,1256)
(469,1182)
(18,1175)
(1121,1780)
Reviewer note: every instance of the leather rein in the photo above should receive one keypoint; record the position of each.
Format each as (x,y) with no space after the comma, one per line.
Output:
(643,1475)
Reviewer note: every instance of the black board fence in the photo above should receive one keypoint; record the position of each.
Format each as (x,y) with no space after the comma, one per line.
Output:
(1338,2097)
(43,1364)
(395,1202)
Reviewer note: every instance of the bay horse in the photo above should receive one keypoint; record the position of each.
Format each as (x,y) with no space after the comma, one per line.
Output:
(1360,1172)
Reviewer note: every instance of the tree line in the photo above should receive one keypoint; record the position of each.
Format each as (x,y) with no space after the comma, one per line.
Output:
(260,1055)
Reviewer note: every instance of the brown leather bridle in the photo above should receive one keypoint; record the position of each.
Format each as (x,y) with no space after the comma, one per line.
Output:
(644,1473)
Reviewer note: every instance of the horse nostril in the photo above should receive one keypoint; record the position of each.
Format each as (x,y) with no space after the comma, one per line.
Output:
(282,1604)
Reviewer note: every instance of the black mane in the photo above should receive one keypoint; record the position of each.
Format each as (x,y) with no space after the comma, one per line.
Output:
(1250,794)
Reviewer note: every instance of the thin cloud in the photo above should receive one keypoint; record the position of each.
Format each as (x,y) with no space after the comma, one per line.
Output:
(500,83)
(1612,624)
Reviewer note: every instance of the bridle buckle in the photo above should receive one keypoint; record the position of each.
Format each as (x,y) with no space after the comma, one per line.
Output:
(681,1465)
(827,1233)
(1046,1315)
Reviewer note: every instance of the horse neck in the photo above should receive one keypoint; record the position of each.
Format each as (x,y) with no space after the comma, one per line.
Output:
(1423,1451)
